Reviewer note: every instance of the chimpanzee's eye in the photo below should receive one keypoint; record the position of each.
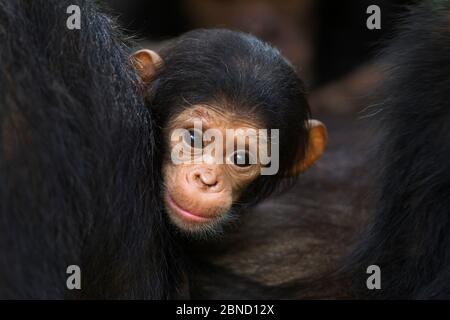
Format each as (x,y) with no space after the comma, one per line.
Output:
(194,138)
(241,159)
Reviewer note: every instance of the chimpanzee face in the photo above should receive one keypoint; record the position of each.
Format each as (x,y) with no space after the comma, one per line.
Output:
(215,168)
(213,152)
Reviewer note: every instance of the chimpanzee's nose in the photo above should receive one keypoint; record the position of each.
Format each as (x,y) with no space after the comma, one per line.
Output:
(204,178)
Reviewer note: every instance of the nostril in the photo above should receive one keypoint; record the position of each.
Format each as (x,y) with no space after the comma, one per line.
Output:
(196,178)
(210,184)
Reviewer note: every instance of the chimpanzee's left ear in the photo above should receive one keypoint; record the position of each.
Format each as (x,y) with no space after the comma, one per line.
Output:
(316,145)
(146,63)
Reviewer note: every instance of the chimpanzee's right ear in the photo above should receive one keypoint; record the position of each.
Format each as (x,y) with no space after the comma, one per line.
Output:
(146,62)
(317,139)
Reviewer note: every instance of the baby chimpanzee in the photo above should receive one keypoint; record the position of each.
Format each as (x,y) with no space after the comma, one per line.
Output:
(224,101)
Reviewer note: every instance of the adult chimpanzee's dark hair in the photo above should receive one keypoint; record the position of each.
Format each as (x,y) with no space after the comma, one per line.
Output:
(242,74)
(410,235)
(78,178)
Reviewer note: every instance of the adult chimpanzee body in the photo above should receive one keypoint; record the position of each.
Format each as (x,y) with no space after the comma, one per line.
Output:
(409,238)
(80,168)
(79,175)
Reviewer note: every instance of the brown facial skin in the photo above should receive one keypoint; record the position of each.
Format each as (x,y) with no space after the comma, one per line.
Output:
(198,196)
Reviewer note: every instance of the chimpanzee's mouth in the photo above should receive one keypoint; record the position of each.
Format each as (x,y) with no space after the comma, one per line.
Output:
(184,214)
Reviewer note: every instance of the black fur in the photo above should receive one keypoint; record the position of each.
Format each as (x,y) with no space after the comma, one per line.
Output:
(79,182)
(410,234)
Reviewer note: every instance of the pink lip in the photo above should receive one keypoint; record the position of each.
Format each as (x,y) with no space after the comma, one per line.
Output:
(184,213)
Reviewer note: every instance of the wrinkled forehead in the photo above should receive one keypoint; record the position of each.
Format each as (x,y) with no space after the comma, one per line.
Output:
(212,116)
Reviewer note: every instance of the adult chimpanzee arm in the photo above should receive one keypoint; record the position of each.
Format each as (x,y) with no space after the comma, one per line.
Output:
(410,235)
(78,177)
